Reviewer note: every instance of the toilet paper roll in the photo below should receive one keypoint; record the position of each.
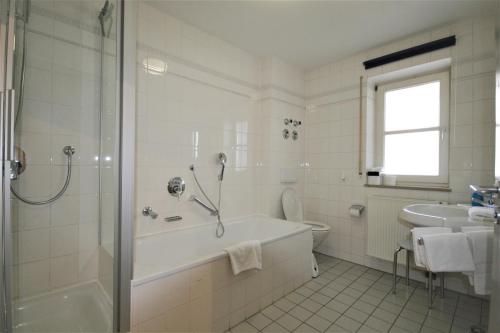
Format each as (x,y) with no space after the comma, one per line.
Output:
(355,212)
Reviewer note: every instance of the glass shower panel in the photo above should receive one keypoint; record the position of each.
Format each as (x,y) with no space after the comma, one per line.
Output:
(65,136)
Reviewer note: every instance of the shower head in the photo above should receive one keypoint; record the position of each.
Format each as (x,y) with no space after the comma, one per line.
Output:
(222,158)
(104,14)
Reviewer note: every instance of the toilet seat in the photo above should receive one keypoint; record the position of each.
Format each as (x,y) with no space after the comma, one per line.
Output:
(317,226)
(292,207)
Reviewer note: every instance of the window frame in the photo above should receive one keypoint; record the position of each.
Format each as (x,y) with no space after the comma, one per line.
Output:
(444,119)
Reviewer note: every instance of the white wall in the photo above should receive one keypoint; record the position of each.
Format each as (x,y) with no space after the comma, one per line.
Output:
(214,97)
(332,131)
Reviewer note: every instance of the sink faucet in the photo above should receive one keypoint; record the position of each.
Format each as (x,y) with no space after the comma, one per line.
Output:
(491,191)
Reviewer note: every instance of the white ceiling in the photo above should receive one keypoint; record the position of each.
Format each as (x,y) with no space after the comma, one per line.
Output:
(312,33)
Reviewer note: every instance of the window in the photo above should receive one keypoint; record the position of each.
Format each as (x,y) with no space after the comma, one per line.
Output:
(412,126)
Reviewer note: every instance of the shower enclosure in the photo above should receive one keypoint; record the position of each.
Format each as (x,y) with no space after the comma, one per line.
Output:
(60,132)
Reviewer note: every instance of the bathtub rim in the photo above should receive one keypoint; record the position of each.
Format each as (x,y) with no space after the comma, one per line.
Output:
(135,282)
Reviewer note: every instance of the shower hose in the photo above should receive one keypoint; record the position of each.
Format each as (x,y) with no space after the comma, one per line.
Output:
(68,151)
(219,231)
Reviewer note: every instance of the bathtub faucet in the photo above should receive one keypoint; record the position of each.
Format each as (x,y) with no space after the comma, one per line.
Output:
(213,212)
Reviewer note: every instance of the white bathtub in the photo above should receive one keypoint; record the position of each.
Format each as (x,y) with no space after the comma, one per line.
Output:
(183,280)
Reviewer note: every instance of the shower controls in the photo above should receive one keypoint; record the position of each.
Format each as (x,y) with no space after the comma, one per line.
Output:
(286,134)
(18,165)
(290,121)
(148,211)
(176,186)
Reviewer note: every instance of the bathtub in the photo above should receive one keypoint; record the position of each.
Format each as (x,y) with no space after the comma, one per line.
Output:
(183,280)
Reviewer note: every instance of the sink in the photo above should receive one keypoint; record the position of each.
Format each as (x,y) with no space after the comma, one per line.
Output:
(435,215)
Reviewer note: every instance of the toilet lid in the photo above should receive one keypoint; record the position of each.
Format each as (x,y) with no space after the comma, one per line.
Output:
(292,207)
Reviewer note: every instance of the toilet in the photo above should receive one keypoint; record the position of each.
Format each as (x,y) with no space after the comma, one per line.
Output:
(292,207)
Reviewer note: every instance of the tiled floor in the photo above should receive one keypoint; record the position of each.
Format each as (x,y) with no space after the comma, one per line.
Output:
(352,298)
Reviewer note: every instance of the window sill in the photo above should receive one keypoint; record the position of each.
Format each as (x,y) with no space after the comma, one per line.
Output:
(416,188)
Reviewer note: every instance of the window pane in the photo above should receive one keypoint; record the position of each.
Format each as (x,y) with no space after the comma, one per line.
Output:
(412,154)
(412,107)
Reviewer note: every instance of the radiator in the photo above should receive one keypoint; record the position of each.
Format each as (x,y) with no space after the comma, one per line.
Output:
(384,228)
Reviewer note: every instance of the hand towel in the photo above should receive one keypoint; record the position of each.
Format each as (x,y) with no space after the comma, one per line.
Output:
(482,213)
(478,219)
(245,255)
(418,251)
(476,228)
(481,244)
(448,252)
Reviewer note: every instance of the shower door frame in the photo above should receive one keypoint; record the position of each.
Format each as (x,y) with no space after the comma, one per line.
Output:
(7,115)
(124,239)
(123,230)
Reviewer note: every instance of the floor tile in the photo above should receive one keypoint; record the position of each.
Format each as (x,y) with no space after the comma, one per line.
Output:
(346,299)
(295,298)
(378,324)
(275,328)
(384,315)
(318,323)
(337,306)
(288,322)
(284,304)
(437,324)
(304,328)
(311,305)
(329,292)
(408,324)
(363,306)
(356,314)
(351,298)
(320,298)
(350,325)
(393,308)
(335,329)
(328,314)
(259,321)
(244,327)
(273,312)
(300,313)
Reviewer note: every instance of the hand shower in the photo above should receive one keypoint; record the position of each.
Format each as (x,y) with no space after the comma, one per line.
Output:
(222,160)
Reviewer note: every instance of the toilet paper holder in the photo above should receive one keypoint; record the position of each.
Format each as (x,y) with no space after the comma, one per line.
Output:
(356,210)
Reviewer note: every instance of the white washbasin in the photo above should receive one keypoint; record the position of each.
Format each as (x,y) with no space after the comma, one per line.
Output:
(435,215)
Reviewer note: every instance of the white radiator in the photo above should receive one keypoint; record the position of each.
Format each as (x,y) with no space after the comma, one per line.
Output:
(384,228)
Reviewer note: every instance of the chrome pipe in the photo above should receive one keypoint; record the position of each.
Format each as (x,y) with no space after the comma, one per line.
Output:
(194,198)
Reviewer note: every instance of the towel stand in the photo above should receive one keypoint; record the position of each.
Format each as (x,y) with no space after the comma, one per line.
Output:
(408,247)
(420,241)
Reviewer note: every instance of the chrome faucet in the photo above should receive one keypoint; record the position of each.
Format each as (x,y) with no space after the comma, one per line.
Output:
(490,191)
(148,211)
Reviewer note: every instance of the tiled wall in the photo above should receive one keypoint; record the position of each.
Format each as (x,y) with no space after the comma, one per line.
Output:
(332,131)
(56,245)
(209,298)
(214,97)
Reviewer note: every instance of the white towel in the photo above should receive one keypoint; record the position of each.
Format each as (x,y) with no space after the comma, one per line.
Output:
(478,219)
(245,255)
(476,228)
(449,252)
(482,213)
(481,244)
(418,250)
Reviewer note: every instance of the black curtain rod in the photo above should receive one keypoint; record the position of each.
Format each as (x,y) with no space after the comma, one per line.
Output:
(411,52)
